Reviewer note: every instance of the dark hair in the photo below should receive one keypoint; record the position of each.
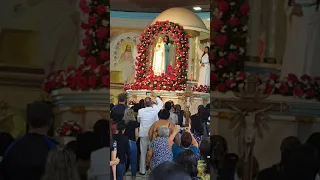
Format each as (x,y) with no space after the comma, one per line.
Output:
(219,150)
(72,146)
(208,106)
(302,164)
(288,144)
(121,126)
(205,153)
(188,160)
(39,114)
(111,106)
(200,107)
(204,114)
(168,171)
(122,97)
(164,114)
(168,105)
(148,102)
(205,52)
(113,127)
(168,39)
(186,139)
(86,144)
(102,128)
(5,141)
(177,108)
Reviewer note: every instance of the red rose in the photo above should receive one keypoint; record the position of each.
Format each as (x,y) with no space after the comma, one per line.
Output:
(101,10)
(230,82)
(82,82)
(221,63)
(242,75)
(213,77)
(216,25)
(268,88)
(104,55)
(106,81)
(71,82)
(85,26)
(284,88)
(232,56)
(221,87)
(298,92)
(306,78)
(86,41)
(91,61)
(84,7)
(223,6)
(273,76)
(221,40)
(83,53)
(92,20)
(293,78)
(244,9)
(234,21)
(102,33)
(310,92)
(92,81)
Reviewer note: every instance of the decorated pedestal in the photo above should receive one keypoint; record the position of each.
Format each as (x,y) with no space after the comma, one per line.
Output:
(176,97)
(82,107)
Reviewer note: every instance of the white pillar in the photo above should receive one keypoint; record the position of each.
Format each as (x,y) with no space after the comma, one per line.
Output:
(190,54)
(270,50)
(253,28)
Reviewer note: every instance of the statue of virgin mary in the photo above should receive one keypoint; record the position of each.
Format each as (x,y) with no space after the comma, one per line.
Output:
(158,64)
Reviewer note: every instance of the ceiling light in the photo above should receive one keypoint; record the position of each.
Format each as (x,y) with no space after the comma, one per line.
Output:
(197,8)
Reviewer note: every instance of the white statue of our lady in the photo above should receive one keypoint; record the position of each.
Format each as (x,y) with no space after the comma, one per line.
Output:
(158,64)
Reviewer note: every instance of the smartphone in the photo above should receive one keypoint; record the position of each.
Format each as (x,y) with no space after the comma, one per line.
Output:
(148,93)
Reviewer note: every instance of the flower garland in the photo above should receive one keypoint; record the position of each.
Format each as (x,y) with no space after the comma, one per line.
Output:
(228,36)
(304,87)
(93,71)
(177,76)
(69,128)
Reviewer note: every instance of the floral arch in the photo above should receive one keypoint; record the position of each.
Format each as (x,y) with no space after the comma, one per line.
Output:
(176,79)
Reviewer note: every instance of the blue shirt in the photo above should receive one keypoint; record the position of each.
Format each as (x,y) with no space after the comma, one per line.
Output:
(176,150)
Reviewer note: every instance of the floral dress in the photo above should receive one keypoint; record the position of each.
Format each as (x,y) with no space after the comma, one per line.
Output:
(160,151)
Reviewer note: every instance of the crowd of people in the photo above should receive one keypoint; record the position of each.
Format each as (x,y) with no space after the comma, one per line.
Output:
(151,133)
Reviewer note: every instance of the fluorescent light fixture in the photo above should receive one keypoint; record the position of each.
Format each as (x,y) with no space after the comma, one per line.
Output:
(197,8)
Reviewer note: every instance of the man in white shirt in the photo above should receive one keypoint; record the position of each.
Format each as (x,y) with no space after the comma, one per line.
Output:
(146,117)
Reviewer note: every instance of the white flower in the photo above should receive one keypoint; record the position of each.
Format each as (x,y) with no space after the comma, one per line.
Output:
(232,3)
(223,29)
(245,28)
(277,85)
(271,81)
(225,75)
(233,46)
(241,49)
(235,29)
(221,53)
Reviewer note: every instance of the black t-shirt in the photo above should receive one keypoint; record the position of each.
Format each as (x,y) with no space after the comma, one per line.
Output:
(130,130)
(197,125)
(274,172)
(26,158)
(117,112)
(123,148)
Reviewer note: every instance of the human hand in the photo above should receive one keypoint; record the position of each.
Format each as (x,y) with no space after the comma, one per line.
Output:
(177,128)
(188,128)
(117,161)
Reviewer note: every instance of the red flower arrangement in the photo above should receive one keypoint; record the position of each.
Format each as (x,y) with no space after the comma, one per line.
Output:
(177,76)
(93,72)
(228,38)
(69,128)
(132,102)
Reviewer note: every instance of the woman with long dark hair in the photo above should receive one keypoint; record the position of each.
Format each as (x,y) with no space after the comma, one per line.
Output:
(188,160)
(204,72)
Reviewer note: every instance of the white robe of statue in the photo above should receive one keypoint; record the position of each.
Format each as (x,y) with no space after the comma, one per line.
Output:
(158,64)
(128,67)
(302,55)
(204,71)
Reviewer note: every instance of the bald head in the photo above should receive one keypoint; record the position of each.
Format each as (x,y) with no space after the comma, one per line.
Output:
(148,102)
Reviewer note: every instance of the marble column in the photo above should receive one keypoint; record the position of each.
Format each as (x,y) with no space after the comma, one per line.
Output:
(271,38)
(254,29)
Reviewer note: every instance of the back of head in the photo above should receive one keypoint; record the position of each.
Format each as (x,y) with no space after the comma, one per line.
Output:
(5,141)
(208,106)
(188,160)
(113,127)
(287,146)
(168,105)
(122,98)
(200,108)
(163,131)
(177,108)
(86,144)
(72,146)
(60,165)
(121,126)
(168,171)
(128,115)
(205,148)
(302,164)
(148,102)
(314,140)
(102,129)
(219,150)
(164,114)
(186,139)
(204,113)
(39,115)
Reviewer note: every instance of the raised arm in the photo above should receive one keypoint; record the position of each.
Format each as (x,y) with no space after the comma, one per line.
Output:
(159,103)
(173,135)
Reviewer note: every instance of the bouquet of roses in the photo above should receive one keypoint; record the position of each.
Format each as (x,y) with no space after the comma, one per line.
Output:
(69,128)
